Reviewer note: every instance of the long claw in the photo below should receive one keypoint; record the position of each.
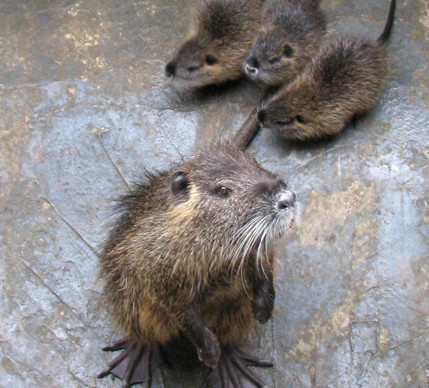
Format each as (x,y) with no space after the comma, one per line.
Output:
(253,361)
(223,376)
(246,372)
(147,366)
(118,345)
(233,375)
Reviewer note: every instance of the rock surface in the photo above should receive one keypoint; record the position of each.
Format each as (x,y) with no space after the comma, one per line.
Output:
(84,110)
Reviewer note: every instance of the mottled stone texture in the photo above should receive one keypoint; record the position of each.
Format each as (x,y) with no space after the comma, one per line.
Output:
(84,110)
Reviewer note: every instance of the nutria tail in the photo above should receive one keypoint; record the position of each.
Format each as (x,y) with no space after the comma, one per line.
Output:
(389,24)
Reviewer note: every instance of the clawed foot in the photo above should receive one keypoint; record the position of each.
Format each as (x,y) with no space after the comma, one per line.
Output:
(135,364)
(232,370)
(262,308)
(209,353)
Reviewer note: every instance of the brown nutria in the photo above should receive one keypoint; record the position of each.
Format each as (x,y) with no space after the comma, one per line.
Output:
(343,80)
(192,256)
(292,33)
(220,34)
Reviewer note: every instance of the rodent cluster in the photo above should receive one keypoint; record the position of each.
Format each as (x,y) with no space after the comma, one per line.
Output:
(341,81)
(191,255)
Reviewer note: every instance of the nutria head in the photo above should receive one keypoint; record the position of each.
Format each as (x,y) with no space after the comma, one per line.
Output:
(293,113)
(219,37)
(291,35)
(228,205)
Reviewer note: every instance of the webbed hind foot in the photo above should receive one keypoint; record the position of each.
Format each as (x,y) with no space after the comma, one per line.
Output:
(232,370)
(135,364)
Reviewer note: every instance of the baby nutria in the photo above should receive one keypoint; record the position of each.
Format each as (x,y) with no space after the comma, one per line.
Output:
(343,80)
(292,33)
(219,37)
(192,256)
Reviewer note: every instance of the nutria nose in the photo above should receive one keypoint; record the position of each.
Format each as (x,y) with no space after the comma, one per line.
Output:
(253,62)
(170,69)
(251,70)
(261,115)
(286,200)
(252,65)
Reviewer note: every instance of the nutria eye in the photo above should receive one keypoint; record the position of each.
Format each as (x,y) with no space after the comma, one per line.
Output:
(287,51)
(300,119)
(223,191)
(211,60)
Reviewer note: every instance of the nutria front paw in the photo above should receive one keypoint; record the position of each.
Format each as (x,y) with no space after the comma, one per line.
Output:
(209,353)
(262,308)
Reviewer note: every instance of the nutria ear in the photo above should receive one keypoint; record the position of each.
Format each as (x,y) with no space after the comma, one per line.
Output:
(179,184)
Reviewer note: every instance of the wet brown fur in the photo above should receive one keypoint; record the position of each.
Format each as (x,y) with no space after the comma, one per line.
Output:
(168,252)
(224,29)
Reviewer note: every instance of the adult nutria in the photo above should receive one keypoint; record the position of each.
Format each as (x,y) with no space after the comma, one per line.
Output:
(343,80)
(219,37)
(290,36)
(192,256)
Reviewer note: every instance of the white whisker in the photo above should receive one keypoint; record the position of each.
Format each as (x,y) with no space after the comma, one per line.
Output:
(260,255)
(246,245)
(259,228)
(245,233)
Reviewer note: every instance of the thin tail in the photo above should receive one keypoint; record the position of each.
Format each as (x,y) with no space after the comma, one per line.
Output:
(247,132)
(389,24)
(250,128)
